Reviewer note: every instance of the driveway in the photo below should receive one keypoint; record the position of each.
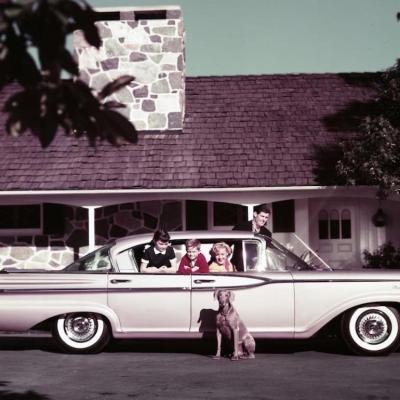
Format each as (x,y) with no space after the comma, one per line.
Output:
(33,369)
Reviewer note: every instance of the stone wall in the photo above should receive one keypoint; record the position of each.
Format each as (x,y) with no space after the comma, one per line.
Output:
(153,52)
(56,251)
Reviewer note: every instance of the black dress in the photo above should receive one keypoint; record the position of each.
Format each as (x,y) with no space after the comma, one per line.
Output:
(159,259)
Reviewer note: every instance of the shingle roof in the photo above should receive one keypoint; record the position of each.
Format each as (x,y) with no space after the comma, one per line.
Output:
(239,131)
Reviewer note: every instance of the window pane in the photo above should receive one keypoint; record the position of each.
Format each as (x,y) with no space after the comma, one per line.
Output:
(227,214)
(20,217)
(7,217)
(323,225)
(96,261)
(251,255)
(29,216)
(334,225)
(346,224)
(196,215)
(283,216)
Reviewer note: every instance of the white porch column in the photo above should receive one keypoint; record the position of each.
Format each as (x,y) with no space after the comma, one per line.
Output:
(91,227)
(250,210)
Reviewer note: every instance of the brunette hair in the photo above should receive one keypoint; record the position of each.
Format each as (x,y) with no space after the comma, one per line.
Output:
(262,208)
(161,235)
(193,243)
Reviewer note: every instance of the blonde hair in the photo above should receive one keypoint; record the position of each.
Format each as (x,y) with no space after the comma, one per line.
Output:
(193,243)
(218,246)
(223,246)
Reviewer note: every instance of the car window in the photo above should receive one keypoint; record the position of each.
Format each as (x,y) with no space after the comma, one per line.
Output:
(246,254)
(236,258)
(280,259)
(251,255)
(97,261)
(126,261)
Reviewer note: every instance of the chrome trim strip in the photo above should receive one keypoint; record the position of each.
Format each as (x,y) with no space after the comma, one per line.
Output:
(155,289)
(264,281)
(365,280)
(95,290)
(51,290)
(210,335)
(241,287)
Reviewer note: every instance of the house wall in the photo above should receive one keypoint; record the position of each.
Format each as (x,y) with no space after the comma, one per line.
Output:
(151,50)
(392,210)
(56,250)
(365,235)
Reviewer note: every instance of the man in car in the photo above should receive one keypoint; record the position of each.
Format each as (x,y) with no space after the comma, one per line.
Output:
(257,224)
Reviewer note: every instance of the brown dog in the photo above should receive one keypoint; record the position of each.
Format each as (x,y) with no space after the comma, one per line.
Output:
(230,326)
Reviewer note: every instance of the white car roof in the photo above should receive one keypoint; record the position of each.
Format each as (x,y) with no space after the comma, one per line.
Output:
(133,240)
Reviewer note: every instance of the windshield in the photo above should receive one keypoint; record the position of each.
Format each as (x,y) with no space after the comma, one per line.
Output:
(279,258)
(98,260)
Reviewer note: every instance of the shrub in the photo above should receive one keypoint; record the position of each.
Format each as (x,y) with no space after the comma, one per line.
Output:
(385,256)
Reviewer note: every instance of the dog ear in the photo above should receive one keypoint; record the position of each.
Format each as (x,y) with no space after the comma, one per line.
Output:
(231,296)
(216,292)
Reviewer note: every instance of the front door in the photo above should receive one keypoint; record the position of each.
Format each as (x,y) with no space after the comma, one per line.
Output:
(333,233)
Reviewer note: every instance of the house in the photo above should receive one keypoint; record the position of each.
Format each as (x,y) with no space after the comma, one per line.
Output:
(209,149)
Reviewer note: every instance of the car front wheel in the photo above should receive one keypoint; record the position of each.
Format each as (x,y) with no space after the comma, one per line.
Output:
(81,332)
(371,330)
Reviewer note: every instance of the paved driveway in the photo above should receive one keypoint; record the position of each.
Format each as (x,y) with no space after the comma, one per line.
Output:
(33,369)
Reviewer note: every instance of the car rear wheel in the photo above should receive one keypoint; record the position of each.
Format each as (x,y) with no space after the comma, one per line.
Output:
(371,330)
(81,332)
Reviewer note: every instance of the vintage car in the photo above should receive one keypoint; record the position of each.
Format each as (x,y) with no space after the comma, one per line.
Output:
(278,295)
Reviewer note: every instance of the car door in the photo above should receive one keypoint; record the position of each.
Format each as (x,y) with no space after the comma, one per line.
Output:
(148,302)
(264,300)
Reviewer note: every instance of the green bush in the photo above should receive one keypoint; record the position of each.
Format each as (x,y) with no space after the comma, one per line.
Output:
(385,256)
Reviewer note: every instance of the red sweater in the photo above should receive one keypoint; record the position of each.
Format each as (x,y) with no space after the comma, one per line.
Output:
(185,265)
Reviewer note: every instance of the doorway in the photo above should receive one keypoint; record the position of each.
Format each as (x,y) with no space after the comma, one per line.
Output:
(334,233)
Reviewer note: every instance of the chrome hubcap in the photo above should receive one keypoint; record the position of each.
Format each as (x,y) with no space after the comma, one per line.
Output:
(80,328)
(373,327)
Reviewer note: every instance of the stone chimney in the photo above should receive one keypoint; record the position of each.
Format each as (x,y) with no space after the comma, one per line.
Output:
(148,43)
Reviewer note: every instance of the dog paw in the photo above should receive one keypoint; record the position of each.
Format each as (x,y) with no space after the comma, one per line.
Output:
(247,357)
(216,357)
(235,358)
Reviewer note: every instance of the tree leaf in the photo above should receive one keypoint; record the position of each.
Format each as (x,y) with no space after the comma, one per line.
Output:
(68,63)
(113,104)
(120,127)
(115,85)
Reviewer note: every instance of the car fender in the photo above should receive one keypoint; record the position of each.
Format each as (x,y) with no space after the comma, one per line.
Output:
(22,317)
(313,326)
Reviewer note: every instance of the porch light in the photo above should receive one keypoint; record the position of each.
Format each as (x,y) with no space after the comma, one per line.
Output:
(379,218)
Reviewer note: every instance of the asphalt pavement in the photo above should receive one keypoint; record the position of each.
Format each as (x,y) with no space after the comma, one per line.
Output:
(32,368)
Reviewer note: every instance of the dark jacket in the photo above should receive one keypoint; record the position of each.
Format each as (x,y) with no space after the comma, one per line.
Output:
(248,226)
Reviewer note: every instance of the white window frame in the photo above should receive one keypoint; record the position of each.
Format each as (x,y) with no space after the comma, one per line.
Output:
(339,210)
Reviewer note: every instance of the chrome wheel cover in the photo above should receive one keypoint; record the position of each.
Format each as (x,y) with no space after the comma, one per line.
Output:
(80,327)
(373,327)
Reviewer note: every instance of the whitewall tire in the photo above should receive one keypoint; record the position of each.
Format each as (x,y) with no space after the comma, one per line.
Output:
(81,332)
(372,330)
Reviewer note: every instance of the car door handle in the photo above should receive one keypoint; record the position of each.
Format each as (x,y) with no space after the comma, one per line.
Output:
(120,280)
(204,280)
